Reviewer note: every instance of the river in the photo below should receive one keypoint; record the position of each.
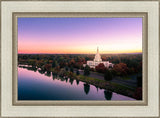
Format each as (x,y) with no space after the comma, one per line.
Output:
(33,85)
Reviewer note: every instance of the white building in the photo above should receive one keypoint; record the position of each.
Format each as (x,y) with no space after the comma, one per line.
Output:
(97,60)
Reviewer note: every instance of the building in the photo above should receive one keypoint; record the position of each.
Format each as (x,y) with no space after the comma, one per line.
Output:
(97,60)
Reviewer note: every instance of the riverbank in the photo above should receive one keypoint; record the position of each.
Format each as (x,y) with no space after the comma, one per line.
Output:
(103,84)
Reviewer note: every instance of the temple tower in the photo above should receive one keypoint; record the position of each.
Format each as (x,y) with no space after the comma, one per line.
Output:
(97,57)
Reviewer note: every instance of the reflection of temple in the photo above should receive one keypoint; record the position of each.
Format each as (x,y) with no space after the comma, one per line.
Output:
(97,60)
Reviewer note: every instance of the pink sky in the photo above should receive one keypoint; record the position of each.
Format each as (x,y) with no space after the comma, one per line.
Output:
(79,35)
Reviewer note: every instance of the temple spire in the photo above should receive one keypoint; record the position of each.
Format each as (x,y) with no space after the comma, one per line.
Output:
(97,57)
(97,50)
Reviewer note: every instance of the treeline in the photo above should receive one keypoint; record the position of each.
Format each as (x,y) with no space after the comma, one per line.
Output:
(124,64)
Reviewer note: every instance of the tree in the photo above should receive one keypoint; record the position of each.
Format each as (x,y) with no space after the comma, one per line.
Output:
(77,72)
(100,68)
(138,93)
(72,62)
(66,68)
(86,70)
(48,67)
(53,64)
(92,69)
(108,75)
(62,64)
(121,69)
(71,69)
(139,81)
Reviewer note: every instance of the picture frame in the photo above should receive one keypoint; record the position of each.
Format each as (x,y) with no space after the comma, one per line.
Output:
(11,10)
(77,102)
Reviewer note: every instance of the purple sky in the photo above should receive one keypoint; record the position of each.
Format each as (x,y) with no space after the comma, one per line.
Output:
(79,35)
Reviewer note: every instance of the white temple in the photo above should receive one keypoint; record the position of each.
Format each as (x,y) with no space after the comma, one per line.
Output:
(97,60)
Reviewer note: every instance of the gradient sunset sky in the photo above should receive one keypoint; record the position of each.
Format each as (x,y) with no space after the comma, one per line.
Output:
(79,35)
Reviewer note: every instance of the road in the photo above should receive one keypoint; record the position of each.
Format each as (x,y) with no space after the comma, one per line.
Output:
(129,83)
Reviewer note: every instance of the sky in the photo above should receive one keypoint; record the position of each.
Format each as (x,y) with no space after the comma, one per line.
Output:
(79,35)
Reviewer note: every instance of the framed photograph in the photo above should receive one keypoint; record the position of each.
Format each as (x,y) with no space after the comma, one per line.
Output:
(79,59)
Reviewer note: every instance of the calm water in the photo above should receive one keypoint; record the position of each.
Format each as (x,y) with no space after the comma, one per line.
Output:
(36,86)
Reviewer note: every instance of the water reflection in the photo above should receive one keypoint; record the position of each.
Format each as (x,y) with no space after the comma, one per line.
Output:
(62,88)
(48,74)
(86,88)
(62,79)
(54,76)
(97,88)
(77,81)
(66,79)
(108,95)
(41,71)
(33,68)
(71,81)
